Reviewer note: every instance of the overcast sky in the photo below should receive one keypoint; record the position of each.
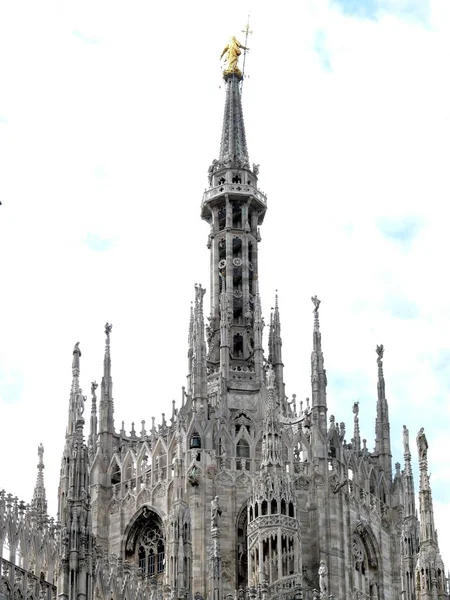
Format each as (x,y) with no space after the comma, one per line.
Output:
(110,114)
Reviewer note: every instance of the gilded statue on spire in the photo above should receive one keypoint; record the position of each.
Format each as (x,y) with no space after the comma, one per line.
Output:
(233,51)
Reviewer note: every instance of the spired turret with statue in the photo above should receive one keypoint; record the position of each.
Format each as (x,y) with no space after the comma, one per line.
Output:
(243,493)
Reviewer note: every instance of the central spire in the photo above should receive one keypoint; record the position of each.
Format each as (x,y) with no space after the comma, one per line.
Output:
(234,208)
(233,144)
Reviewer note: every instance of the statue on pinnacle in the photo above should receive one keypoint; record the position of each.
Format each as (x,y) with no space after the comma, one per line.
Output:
(233,52)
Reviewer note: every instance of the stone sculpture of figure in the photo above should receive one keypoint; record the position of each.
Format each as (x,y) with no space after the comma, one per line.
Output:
(373,590)
(255,170)
(323,577)
(422,444)
(41,452)
(211,169)
(108,328)
(79,403)
(356,408)
(270,377)
(216,511)
(233,51)
(76,356)
(405,439)
(315,300)
(94,386)
(380,352)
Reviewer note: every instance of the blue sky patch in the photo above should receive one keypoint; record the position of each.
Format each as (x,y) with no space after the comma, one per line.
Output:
(402,309)
(366,9)
(11,385)
(416,10)
(321,48)
(84,38)
(402,230)
(99,244)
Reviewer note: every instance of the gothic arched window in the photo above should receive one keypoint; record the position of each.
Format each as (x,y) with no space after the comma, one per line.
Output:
(365,571)
(146,544)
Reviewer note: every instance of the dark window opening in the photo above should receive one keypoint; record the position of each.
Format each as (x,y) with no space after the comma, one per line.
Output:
(242,449)
(236,178)
(237,247)
(237,216)
(196,441)
(116,475)
(222,249)
(264,507)
(222,216)
(238,345)
(273,507)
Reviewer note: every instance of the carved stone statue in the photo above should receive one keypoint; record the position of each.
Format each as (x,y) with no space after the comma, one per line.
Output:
(380,352)
(76,356)
(405,440)
(373,590)
(315,300)
(216,511)
(270,377)
(233,52)
(108,328)
(79,403)
(356,408)
(94,386)
(211,169)
(255,170)
(422,444)
(41,452)
(323,577)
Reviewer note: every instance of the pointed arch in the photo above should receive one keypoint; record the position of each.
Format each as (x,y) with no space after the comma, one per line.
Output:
(365,559)
(115,469)
(241,549)
(145,541)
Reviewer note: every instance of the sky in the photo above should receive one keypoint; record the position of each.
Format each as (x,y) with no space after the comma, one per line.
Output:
(110,114)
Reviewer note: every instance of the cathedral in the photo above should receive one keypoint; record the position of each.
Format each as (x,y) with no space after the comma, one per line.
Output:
(243,493)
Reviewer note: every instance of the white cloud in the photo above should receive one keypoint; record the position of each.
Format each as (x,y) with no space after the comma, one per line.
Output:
(109,131)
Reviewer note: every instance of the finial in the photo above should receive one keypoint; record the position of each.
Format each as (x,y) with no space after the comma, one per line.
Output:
(76,356)
(232,51)
(422,444)
(406,440)
(41,455)
(315,300)
(108,328)
(380,353)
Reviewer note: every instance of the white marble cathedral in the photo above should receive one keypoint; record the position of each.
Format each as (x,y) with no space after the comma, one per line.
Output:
(241,494)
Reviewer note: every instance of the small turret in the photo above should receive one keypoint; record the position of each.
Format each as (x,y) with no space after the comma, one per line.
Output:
(318,385)
(275,344)
(430,572)
(382,426)
(106,398)
(39,501)
(74,507)
(409,539)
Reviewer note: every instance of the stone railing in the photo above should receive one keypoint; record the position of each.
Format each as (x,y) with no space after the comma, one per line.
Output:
(18,583)
(234,188)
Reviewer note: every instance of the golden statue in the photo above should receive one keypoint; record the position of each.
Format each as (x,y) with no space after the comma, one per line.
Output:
(233,51)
